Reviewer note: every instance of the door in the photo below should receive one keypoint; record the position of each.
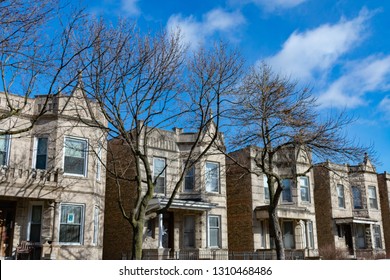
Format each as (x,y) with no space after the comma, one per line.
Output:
(7,220)
(348,238)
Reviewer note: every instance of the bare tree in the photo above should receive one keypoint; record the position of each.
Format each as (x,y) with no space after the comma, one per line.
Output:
(145,83)
(282,120)
(39,47)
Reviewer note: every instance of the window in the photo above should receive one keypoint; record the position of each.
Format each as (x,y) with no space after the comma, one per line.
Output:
(40,153)
(212,177)
(305,191)
(288,235)
(214,231)
(266,187)
(96,225)
(35,223)
(189,180)
(340,196)
(372,197)
(286,194)
(99,162)
(4,149)
(75,160)
(377,236)
(310,233)
(159,174)
(357,198)
(262,234)
(189,231)
(360,236)
(71,223)
(340,231)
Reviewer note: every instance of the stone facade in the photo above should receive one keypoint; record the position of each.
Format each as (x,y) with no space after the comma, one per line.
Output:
(195,225)
(52,183)
(248,218)
(348,210)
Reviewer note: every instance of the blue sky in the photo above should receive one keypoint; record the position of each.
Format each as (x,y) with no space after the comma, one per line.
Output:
(340,48)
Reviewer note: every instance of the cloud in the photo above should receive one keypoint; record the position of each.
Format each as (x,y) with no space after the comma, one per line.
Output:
(311,54)
(130,7)
(271,5)
(197,32)
(384,107)
(360,77)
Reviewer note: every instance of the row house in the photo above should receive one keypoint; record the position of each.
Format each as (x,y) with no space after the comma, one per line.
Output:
(195,225)
(348,209)
(248,200)
(52,181)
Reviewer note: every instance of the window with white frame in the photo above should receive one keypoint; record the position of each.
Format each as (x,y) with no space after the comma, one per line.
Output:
(357,198)
(4,149)
(266,187)
(377,236)
(212,176)
(286,193)
(189,231)
(99,162)
(71,223)
(372,197)
(340,196)
(305,188)
(75,159)
(96,225)
(310,233)
(35,223)
(40,153)
(159,167)
(189,179)
(214,231)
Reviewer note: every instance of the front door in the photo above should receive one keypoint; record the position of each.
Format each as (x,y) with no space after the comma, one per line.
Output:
(168,237)
(348,238)
(7,220)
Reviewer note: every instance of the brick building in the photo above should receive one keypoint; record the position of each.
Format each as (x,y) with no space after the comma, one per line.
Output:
(384,194)
(52,183)
(248,200)
(348,211)
(195,226)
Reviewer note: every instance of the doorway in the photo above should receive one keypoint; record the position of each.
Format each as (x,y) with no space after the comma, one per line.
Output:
(7,221)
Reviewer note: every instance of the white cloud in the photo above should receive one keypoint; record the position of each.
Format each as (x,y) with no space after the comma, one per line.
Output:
(368,75)
(384,107)
(196,32)
(271,5)
(130,7)
(311,54)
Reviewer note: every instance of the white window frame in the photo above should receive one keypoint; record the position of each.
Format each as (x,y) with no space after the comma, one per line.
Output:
(160,174)
(218,228)
(340,196)
(82,223)
(377,236)
(7,149)
(307,187)
(266,188)
(85,156)
(372,197)
(96,224)
(35,151)
(32,204)
(208,185)
(98,162)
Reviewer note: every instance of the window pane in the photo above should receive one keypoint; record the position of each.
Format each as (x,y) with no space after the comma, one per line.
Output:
(212,177)
(189,180)
(372,197)
(41,153)
(266,188)
(304,184)
(214,231)
(75,156)
(71,223)
(159,170)
(4,143)
(357,199)
(340,196)
(286,194)
(189,231)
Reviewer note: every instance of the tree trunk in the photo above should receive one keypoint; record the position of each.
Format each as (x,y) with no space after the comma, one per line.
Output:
(277,232)
(137,240)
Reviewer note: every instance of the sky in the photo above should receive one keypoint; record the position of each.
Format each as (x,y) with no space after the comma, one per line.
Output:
(341,48)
